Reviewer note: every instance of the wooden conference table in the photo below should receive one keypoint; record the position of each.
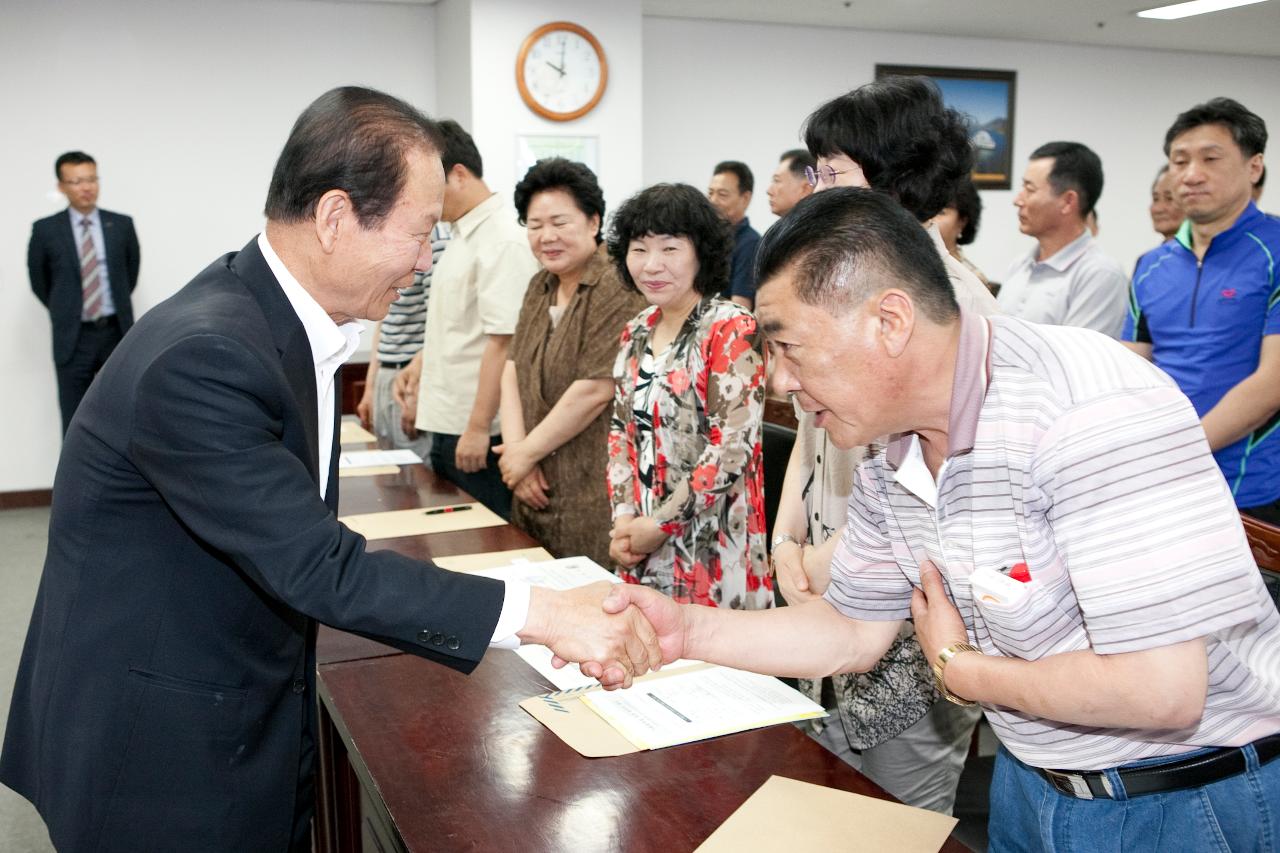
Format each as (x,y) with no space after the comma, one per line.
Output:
(415,756)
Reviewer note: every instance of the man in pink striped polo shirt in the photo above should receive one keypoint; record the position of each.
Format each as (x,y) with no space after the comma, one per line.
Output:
(1046,508)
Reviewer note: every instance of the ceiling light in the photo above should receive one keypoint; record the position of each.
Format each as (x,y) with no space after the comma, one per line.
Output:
(1195,7)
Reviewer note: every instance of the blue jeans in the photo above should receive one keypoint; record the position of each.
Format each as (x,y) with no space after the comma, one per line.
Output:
(1239,813)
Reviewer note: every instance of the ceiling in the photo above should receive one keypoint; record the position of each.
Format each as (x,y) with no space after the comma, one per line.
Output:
(1249,30)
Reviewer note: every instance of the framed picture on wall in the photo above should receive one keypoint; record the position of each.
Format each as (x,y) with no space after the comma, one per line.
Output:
(987,98)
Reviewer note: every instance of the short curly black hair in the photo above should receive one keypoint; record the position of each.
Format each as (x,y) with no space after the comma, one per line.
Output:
(968,205)
(677,210)
(910,145)
(557,173)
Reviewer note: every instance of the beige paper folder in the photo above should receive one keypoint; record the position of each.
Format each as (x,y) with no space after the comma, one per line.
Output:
(422,521)
(573,721)
(577,725)
(351,433)
(784,814)
(491,559)
(369,472)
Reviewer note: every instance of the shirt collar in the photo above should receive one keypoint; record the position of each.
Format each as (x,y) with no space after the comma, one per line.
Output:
(913,475)
(93,216)
(742,227)
(1062,259)
(936,236)
(470,221)
(1244,221)
(968,391)
(331,344)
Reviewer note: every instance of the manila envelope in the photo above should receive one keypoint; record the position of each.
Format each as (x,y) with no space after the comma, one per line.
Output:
(421,521)
(568,718)
(832,820)
(351,432)
(369,472)
(491,559)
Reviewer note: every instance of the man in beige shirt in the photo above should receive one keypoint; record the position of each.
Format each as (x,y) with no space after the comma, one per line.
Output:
(475,300)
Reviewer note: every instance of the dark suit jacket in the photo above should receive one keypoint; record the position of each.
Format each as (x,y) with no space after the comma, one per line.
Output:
(53,263)
(161,696)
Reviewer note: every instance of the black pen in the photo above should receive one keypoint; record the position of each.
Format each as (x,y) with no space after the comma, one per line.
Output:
(443,509)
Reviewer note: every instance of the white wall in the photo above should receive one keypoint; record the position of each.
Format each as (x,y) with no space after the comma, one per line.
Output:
(498,115)
(717,90)
(185,105)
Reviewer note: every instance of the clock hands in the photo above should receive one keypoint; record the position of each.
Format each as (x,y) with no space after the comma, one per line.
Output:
(558,68)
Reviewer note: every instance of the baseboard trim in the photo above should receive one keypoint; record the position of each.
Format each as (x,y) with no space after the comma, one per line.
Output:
(19,500)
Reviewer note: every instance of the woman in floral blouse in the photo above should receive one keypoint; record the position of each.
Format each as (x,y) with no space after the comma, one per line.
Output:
(684,473)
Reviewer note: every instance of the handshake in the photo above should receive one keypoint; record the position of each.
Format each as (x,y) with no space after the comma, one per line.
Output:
(615,632)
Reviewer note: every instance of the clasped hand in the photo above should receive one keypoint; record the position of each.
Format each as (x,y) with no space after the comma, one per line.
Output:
(614,646)
(664,630)
(634,538)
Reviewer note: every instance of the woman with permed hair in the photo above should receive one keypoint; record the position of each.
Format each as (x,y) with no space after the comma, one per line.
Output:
(685,473)
(894,136)
(558,382)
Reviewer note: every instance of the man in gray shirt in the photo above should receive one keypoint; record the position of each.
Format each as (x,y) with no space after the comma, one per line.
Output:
(1066,280)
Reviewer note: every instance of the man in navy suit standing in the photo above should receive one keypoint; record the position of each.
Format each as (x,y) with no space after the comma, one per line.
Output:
(166,694)
(83,264)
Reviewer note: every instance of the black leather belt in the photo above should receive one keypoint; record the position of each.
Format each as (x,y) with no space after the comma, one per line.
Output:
(100,323)
(1192,772)
(392,365)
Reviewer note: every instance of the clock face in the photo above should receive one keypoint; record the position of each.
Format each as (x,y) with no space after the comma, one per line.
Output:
(562,73)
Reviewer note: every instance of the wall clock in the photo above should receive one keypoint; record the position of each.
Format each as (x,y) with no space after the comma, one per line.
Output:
(561,71)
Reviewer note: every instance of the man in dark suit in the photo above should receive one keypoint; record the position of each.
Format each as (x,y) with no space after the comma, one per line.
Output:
(164,698)
(83,264)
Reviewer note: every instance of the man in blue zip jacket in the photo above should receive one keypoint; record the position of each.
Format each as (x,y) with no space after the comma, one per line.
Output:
(1205,306)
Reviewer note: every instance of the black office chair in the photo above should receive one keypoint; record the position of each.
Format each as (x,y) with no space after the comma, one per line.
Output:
(777,443)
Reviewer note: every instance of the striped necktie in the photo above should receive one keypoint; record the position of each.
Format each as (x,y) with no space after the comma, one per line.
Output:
(90,275)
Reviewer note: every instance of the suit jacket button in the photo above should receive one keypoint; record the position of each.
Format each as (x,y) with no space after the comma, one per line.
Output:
(453,643)
(299,685)
(437,639)
(424,637)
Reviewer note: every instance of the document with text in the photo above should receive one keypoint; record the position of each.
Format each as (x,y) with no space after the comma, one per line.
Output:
(701,703)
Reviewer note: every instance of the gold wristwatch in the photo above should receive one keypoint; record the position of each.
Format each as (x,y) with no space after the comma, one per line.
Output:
(939,666)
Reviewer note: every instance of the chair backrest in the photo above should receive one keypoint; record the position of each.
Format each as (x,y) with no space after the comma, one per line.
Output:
(1264,541)
(777,442)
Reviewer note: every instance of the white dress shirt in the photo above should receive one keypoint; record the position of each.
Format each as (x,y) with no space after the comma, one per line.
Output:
(331,346)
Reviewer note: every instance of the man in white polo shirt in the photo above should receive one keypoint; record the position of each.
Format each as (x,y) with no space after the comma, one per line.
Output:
(1066,279)
(1047,510)
(476,294)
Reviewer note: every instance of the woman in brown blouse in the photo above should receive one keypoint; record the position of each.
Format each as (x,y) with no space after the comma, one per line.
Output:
(558,379)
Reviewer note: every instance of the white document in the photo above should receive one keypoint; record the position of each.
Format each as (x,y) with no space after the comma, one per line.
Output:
(566,573)
(377,458)
(699,704)
(570,677)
